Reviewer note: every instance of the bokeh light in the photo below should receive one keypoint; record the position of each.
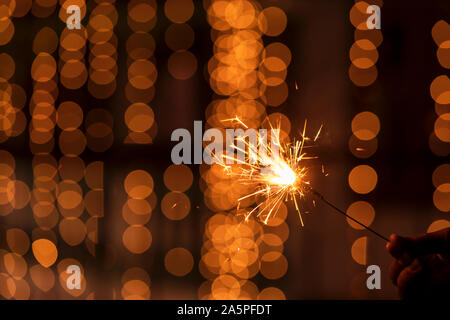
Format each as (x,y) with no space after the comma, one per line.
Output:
(45,252)
(178,261)
(363,179)
(361,211)
(359,250)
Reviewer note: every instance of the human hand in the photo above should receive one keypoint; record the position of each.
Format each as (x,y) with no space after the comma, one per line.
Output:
(421,265)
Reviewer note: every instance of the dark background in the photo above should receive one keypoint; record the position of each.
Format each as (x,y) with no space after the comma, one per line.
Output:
(319,35)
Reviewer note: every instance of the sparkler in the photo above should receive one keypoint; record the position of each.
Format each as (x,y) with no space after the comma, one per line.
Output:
(276,176)
(321,197)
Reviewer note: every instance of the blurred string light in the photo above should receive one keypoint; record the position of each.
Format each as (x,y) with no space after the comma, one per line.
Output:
(246,76)
(176,206)
(14,195)
(81,186)
(137,238)
(142,73)
(42,143)
(179,37)
(14,267)
(12,96)
(182,65)
(142,128)
(7,29)
(69,117)
(139,187)
(365,126)
(439,141)
(103,50)
(67,185)
(135,284)
(72,49)
(364,54)
(178,261)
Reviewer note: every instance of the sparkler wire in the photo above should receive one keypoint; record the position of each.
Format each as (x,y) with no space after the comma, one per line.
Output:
(321,197)
(285,177)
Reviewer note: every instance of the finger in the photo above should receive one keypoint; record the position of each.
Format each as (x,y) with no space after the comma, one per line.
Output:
(394,270)
(399,248)
(410,280)
(406,248)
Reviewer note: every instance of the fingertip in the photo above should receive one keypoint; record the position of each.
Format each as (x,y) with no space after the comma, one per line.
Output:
(393,245)
(394,238)
(398,243)
(388,246)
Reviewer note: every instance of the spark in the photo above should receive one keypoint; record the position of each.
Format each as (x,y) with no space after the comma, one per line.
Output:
(318,133)
(274,177)
(236,119)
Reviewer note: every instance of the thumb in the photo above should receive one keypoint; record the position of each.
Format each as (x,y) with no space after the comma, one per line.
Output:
(401,248)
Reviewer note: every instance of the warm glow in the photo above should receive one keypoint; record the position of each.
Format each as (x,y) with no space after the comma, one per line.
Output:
(276,176)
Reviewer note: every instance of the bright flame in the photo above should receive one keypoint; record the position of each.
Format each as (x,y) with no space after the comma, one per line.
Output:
(281,174)
(273,178)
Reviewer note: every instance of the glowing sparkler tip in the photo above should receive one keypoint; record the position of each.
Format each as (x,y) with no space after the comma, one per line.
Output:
(273,177)
(279,173)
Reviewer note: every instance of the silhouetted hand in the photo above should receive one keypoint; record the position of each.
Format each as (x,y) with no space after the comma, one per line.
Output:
(421,266)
